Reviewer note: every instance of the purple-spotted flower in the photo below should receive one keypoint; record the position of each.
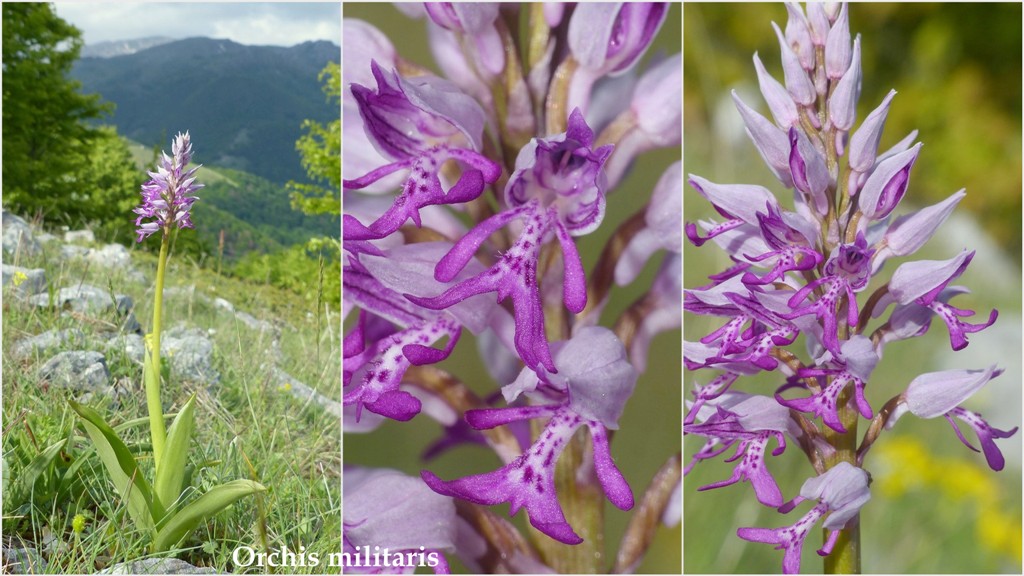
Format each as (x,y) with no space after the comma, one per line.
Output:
(472,205)
(168,196)
(594,381)
(817,272)
(841,493)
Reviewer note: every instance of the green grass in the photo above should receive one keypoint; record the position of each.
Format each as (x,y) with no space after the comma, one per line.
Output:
(246,425)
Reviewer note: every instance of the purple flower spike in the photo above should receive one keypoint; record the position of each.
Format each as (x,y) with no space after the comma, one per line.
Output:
(841,491)
(168,195)
(608,38)
(476,20)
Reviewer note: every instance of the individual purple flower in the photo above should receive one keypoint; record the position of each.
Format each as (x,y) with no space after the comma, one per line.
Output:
(841,492)
(748,422)
(376,359)
(557,189)
(855,367)
(420,123)
(595,379)
(846,272)
(167,197)
(940,394)
(924,281)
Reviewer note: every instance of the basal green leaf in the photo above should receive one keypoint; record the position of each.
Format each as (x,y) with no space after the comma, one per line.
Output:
(171,469)
(185,520)
(128,479)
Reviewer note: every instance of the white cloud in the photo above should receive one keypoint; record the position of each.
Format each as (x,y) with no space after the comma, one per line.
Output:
(280,24)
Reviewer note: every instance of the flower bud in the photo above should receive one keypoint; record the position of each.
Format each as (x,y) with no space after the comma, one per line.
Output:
(610,38)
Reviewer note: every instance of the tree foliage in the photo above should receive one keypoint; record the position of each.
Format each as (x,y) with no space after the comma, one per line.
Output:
(320,148)
(47,143)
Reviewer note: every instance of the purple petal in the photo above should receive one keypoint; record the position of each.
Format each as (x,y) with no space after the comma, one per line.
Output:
(842,106)
(775,95)
(936,393)
(987,435)
(611,37)
(798,83)
(614,485)
(769,140)
(910,232)
(887,184)
(925,279)
(864,142)
(389,509)
(837,46)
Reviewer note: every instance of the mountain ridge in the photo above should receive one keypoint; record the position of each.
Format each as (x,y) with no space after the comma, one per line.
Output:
(243,105)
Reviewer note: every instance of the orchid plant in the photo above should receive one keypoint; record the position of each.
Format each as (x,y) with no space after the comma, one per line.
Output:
(464,200)
(815,270)
(160,509)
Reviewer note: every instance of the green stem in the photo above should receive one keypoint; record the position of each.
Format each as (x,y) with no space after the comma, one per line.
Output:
(151,376)
(845,556)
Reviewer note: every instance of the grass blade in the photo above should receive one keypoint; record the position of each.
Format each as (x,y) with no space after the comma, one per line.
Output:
(39,464)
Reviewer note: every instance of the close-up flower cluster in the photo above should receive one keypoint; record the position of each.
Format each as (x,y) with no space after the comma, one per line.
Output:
(806,306)
(512,237)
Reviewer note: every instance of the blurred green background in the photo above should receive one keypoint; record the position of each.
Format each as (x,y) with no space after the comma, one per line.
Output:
(936,507)
(649,428)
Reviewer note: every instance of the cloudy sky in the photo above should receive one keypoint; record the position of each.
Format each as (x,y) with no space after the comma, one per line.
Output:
(279,24)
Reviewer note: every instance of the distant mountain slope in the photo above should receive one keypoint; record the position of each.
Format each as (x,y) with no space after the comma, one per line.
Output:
(113,48)
(242,104)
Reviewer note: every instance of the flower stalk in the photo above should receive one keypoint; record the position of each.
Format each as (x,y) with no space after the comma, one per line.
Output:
(151,368)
